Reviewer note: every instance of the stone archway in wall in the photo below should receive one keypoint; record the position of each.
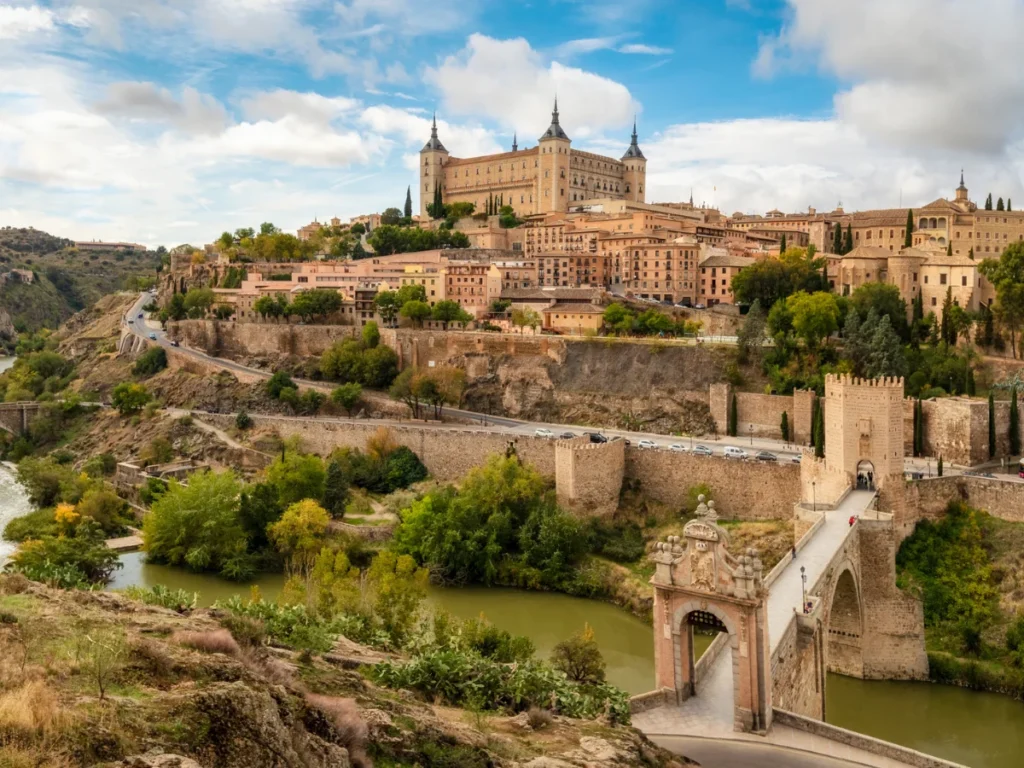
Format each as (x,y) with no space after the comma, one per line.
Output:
(698,582)
(844,653)
(866,475)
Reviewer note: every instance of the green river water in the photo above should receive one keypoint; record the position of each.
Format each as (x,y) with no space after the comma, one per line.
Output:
(981,730)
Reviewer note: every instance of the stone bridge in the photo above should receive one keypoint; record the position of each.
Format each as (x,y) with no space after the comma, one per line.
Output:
(833,606)
(15,417)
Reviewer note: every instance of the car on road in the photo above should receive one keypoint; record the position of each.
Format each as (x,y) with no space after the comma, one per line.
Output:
(543,433)
(175,344)
(646,444)
(702,450)
(596,437)
(796,459)
(619,437)
(677,447)
(131,322)
(567,436)
(732,452)
(152,337)
(766,456)
(140,315)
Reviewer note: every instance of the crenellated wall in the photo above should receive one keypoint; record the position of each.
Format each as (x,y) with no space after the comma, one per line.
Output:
(588,476)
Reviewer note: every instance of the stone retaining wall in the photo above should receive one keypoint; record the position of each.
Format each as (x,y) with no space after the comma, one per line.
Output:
(1000,498)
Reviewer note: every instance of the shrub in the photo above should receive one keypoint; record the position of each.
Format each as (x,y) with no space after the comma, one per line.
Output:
(178,600)
(580,658)
(290,625)
(249,632)
(129,398)
(243,421)
(348,724)
(280,380)
(211,641)
(538,718)
(152,657)
(102,465)
(74,561)
(151,362)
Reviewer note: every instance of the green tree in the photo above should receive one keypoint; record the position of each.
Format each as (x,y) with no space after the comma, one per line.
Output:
(319,302)
(837,240)
(378,367)
(299,534)
(150,362)
(371,335)
(297,476)
(411,292)
(750,341)
(991,425)
(731,422)
(347,396)
(198,526)
(886,301)
(580,658)
(408,203)
(784,426)
(258,507)
(226,240)
(885,355)
(988,202)
(176,307)
(416,312)
(129,398)
(815,316)
(782,243)
(243,420)
(390,217)
(848,242)
(449,311)
(908,238)
(938,467)
(267,229)
(335,490)
(999,205)
(387,306)
(198,301)
(1007,276)
(1014,429)
(280,380)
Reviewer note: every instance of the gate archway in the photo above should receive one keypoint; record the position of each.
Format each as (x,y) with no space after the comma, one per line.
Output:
(845,627)
(865,475)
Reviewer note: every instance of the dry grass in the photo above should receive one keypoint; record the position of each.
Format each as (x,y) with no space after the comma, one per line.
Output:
(349,724)
(153,657)
(13,584)
(539,718)
(29,711)
(213,641)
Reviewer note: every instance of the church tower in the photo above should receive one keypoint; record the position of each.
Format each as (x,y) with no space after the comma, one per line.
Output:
(433,158)
(635,175)
(553,173)
(961,191)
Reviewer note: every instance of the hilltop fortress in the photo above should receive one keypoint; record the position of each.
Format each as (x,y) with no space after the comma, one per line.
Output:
(547,178)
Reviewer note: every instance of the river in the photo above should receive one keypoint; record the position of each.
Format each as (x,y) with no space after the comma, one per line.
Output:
(981,730)
(5,363)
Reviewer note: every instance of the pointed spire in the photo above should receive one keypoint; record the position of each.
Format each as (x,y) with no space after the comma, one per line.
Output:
(554,130)
(691,197)
(435,143)
(962,185)
(634,146)
(515,144)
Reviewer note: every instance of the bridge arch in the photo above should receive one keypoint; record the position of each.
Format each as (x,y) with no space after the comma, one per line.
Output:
(688,615)
(844,624)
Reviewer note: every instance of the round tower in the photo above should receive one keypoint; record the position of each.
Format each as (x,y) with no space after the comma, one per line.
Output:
(635,175)
(433,158)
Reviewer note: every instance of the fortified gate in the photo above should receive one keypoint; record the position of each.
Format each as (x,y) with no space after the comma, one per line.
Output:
(832,606)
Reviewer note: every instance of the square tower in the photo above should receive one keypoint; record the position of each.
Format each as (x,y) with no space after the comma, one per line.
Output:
(864,429)
(554,149)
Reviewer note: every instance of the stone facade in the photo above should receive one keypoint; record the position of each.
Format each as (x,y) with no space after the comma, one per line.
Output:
(864,428)
(798,664)
(588,476)
(1000,498)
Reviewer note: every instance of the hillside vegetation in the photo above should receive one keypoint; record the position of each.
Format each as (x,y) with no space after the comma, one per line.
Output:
(65,280)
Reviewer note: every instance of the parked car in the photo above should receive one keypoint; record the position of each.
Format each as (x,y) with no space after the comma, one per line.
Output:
(140,315)
(702,450)
(543,432)
(597,437)
(131,322)
(567,436)
(677,447)
(796,459)
(766,456)
(699,306)
(646,444)
(732,452)
(619,437)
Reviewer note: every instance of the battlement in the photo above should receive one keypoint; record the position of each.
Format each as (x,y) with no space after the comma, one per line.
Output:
(589,475)
(847,380)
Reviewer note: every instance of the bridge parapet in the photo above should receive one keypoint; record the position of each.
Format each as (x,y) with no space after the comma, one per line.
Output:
(15,417)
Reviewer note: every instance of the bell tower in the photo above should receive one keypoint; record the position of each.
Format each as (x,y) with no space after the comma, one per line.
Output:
(635,175)
(433,158)
(961,191)
(553,177)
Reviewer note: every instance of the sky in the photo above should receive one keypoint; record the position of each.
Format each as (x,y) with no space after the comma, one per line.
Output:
(170,121)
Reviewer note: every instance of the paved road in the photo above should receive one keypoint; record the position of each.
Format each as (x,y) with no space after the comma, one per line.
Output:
(721,753)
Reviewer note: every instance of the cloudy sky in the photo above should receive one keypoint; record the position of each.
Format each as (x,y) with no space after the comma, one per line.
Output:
(169,121)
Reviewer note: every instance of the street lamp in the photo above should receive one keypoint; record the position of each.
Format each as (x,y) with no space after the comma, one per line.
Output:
(803,589)
(814,495)
(750,429)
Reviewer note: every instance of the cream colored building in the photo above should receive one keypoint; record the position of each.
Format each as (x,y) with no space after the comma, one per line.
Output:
(549,177)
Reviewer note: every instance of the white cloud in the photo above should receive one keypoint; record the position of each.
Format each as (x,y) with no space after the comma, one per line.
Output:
(195,111)
(648,50)
(413,129)
(510,82)
(312,107)
(406,17)
(17,22)
(585,45)
(924,73)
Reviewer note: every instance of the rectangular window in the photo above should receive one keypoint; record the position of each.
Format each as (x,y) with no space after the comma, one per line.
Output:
(942,279)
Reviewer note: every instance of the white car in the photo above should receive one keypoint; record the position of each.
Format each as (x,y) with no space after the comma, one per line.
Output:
(732,452)
(678,448)
(543,433)
(646,444)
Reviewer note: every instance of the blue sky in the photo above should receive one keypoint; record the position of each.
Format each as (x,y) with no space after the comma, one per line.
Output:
(168,121)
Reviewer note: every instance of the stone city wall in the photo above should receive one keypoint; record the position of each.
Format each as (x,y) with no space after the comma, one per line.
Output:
(745,490)
(797,679)
(1000,498)
(588,475)
(236,340)
(761,415)
(956,428)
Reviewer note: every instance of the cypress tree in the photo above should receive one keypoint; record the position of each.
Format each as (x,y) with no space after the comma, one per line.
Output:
(408,202)
(991,426)
(837,240)
(917,416)
(970,253)
(946,329)
(939,468)
(908,239)
(819,435)
(784,426)
(971,386)
(1009,204)
(1014,424)
(782,244)
(949,248)
(988,202)
(999,205)
(731,422)
(848,245)
(335,490)
(438,201)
